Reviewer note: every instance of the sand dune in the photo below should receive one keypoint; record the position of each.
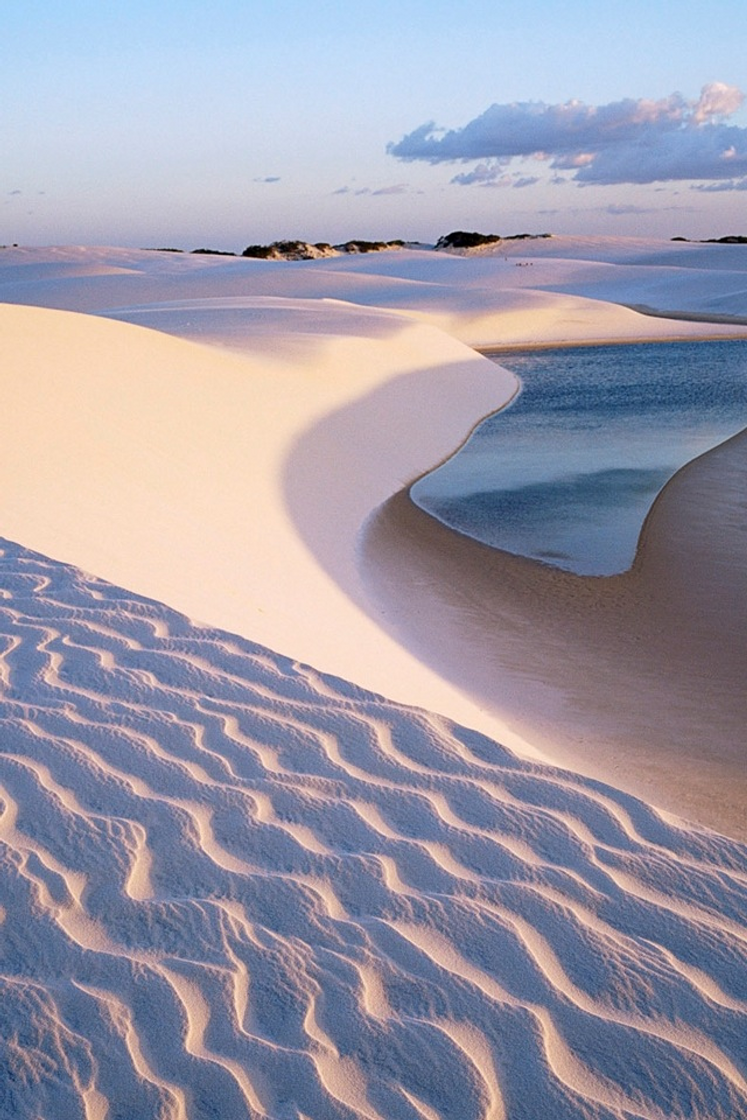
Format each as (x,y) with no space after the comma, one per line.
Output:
(182,471)
(556,290)
(233,884)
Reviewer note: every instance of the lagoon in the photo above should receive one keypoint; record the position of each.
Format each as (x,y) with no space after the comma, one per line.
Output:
(567,472)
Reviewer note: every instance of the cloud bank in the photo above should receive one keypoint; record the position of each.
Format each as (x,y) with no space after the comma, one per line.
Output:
(629,141)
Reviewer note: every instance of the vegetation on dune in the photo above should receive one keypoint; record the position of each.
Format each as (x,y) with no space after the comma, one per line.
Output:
(305,250)
(527,236)
(298,250)
(731,239)
(369,246)
(289,251)
(461,239)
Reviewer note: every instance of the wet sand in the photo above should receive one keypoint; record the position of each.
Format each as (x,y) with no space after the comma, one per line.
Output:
(635,679)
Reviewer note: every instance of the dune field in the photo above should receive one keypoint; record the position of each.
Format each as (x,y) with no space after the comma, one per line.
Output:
(310,808)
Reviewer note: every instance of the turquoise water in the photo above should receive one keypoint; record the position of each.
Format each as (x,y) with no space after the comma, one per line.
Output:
(568,471)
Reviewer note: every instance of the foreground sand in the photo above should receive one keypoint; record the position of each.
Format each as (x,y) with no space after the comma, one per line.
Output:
(232,884)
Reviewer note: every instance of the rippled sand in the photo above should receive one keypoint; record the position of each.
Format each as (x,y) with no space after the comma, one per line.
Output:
(234,886)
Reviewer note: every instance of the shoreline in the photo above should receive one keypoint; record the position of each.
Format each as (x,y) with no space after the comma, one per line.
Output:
(496,354)
(643,340)
(689,316)
(634,679)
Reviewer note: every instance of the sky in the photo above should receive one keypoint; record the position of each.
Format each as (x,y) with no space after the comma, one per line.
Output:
(177,123)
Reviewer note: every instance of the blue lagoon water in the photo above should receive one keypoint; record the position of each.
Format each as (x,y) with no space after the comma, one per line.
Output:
(568,471)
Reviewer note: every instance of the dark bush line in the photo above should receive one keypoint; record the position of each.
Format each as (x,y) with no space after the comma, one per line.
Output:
(461,239)
(369,246)
(305,250)
(732,239)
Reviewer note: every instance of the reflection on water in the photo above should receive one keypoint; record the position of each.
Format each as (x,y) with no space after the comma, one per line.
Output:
(567,473)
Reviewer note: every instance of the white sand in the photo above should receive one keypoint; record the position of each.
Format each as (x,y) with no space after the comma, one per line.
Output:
(234,486)
(231,884)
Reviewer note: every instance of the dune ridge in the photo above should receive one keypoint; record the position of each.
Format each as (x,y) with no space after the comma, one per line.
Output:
(229,878)
(563,289)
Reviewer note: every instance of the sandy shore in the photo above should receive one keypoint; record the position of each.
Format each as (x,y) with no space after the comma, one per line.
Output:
(636,679)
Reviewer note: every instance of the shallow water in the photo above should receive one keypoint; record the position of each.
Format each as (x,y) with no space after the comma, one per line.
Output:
(568,471)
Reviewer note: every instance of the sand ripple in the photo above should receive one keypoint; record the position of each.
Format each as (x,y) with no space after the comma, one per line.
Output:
(231,886)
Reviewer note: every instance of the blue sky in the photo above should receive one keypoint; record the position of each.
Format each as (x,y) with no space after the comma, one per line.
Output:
(187,124)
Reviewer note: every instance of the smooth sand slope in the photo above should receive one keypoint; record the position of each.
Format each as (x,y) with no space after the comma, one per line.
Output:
(234,885)
(182,471)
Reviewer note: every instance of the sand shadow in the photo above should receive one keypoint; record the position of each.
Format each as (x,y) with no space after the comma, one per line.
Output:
(637,679)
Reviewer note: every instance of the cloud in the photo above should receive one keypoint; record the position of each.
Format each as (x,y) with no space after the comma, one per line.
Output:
(618,208)
(728,185)
(485,174)
(717,100)
(396,188)
(493,175)
(629,141)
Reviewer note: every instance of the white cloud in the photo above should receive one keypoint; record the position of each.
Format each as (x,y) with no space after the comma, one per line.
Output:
(727,185)
(493,175)
(717,100)
(485,174)
(629,141)
(396,188)
(619,208)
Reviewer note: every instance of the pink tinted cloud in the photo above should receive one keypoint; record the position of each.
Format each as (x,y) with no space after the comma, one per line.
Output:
(628,141)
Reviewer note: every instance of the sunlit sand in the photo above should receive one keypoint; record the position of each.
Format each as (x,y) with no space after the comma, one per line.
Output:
(310,806)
